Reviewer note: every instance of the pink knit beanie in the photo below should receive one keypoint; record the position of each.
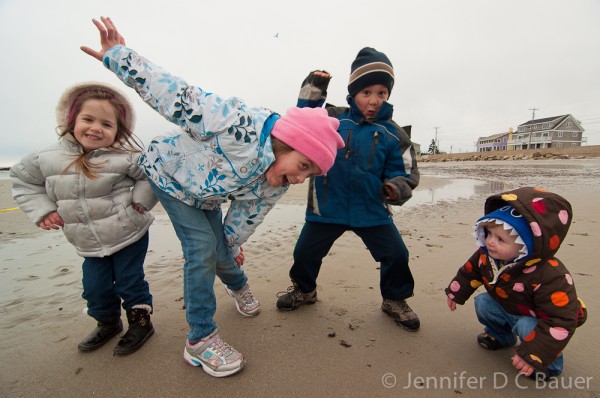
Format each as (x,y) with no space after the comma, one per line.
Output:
(311,132)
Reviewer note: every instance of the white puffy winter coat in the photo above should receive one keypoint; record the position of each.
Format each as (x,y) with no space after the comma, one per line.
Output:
(98,216)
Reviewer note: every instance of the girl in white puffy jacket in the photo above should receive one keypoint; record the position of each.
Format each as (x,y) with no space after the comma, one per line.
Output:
(89,184)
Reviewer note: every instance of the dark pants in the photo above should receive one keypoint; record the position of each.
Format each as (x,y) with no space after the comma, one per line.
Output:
(384,242)
(107,280)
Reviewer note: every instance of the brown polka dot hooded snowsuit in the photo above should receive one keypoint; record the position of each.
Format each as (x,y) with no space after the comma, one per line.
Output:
(538,285)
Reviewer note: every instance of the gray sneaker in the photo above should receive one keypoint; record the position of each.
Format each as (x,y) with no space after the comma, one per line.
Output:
(216,357)
(294,298)
(402,313)
(245,302)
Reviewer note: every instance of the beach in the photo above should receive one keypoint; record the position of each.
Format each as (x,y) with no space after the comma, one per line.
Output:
(343,345)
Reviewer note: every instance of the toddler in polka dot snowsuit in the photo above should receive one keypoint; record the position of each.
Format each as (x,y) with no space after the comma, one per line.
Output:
(529,294)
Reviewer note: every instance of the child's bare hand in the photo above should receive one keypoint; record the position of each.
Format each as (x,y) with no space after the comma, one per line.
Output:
(522,366)
(388,192)
(109,37)
(140,209)
(451,304)
(239,260)
(52,221)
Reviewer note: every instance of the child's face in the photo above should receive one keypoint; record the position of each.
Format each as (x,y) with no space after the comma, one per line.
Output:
(290,168)
(95,125)
(500,245)
(369,99)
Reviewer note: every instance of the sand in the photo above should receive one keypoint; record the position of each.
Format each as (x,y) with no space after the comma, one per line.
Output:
(344,345)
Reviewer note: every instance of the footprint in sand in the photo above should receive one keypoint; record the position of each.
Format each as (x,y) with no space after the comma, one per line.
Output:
(60,272)
(27,278)
(339,311)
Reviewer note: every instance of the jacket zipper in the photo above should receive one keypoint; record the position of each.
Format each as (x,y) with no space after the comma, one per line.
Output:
(325,190)
(373,146)
(86,212)
(347,154)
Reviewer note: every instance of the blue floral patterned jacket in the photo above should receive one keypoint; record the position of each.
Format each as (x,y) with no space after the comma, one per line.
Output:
(222,153)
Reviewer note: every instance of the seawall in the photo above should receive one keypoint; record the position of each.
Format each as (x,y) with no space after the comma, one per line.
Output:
(579,152)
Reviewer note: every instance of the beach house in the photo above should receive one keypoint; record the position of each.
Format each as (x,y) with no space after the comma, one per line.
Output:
(550,132)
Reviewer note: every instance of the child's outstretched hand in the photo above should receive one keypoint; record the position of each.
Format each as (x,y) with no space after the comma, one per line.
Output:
(52,221)
(522,366)
(109,37)
(451,304)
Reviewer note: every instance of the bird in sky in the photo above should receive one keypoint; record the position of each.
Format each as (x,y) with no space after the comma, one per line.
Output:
(276,35)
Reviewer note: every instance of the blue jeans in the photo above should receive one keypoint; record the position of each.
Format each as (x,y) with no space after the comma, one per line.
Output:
(107,280)
(504,326)
(206,256)
(384,243)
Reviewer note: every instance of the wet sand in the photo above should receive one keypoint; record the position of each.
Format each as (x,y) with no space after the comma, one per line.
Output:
(344,345)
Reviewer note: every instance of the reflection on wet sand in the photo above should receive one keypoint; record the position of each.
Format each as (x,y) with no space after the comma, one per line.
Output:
(456,188)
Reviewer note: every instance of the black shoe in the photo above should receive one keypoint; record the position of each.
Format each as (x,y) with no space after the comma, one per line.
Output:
(488,342)
(101,335)
(140,330)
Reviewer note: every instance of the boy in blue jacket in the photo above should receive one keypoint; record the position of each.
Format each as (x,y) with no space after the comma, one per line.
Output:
(377,168)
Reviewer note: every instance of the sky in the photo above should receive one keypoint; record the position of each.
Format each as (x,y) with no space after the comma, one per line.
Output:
(464,68)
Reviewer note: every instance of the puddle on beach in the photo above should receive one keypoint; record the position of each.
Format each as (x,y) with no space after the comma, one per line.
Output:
(461,188)
(451,189)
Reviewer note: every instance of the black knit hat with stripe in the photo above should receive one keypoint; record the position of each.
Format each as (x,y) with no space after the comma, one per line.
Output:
(370,67)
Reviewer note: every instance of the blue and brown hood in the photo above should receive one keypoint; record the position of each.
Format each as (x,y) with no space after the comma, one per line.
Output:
(548,215)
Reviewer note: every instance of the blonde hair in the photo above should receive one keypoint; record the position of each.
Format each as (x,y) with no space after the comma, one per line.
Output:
(125,140)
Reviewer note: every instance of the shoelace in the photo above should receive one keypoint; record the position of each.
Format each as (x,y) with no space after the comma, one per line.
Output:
(246,297)
(290,289)
(403,307)
(221,348)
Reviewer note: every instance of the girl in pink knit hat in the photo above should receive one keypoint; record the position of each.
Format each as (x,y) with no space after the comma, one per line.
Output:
(224,151)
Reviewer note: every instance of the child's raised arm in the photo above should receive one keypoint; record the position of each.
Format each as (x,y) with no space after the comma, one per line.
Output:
(313,92)
(169,95)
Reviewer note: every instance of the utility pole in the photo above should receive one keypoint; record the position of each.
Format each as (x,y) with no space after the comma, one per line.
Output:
(437,145)
(533,114)
(531,125)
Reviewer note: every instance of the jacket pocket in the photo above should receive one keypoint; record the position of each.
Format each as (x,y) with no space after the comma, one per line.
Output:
(131,221)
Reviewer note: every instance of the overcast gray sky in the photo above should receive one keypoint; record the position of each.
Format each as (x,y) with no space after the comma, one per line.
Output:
(470,68)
